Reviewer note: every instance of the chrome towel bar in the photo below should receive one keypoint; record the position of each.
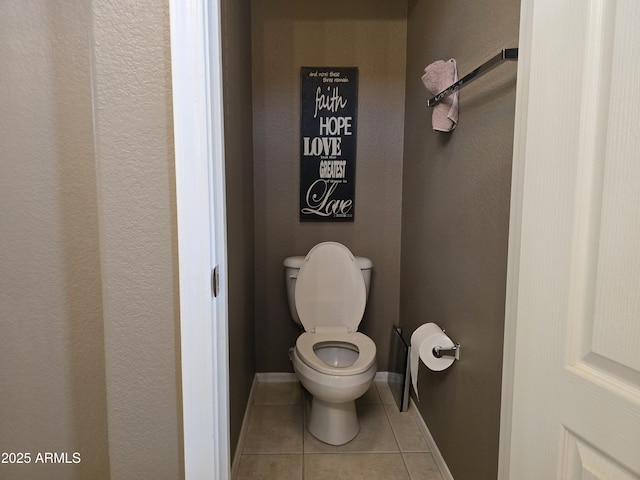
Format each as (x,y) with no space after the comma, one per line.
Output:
(504,54)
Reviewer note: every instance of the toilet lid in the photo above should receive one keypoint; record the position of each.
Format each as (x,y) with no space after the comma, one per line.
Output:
(330,290)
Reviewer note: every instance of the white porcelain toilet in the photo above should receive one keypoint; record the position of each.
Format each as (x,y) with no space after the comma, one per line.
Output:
(337,364)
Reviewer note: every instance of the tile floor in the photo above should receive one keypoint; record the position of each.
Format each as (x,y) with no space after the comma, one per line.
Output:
(277,445)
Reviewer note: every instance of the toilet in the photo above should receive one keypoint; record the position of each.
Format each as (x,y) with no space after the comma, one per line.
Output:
(335,363)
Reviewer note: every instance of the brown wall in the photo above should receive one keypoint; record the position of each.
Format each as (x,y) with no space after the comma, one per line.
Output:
(236,45)
(288,34)
(455,213)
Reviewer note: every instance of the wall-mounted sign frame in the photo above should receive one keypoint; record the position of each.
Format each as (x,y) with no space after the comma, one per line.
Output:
(328,126)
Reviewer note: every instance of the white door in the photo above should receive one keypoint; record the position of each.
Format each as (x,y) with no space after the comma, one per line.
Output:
(573,304)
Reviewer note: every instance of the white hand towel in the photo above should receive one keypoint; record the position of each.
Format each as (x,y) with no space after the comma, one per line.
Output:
(437,77)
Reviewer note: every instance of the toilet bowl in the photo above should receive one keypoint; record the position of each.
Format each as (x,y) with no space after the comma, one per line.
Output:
(333,361)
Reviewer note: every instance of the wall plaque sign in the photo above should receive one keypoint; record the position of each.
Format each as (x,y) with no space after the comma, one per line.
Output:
(328,123)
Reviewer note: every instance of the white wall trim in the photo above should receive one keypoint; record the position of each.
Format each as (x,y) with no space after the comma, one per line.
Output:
(217,193)
(199,163)
(274,377)
(431,443)
(381,377)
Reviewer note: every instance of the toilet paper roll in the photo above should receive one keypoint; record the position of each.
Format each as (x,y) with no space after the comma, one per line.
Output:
(423,339)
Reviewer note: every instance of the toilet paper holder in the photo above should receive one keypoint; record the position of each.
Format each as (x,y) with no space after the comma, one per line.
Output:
(453,351)
(440,352)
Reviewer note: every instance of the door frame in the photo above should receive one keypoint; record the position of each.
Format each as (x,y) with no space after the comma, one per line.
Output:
(515,231)
(196,61)
(199,144)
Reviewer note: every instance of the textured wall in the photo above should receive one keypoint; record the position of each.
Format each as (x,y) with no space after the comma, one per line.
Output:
(89,348)
(455,214)
(52,372)
(236,44)
(288,34)
(138,239)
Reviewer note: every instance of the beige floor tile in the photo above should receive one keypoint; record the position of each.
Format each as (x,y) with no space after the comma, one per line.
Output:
(355,466)
(278,393)
(375,434)
(385,392)
(390,444)
(421,466)
(274,429)
(406,430)
(270,467)
(370,396)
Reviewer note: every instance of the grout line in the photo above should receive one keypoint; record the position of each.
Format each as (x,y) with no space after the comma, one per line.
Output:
(358,452)
(393,431)
(395,436)
(243,429)
(304,425)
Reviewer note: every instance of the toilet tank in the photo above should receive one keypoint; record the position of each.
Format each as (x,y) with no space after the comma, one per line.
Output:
(292,267)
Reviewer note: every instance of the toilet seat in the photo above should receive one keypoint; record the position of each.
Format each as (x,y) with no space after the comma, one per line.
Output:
(359,341)
(330,298)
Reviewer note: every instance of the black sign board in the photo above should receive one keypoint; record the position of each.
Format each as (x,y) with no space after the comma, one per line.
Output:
(328,143)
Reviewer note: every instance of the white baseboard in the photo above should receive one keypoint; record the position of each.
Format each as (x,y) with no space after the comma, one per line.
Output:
(437,456)
(274,377)
(381,377)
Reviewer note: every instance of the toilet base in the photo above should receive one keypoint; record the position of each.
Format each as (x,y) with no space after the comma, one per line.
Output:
(333,423)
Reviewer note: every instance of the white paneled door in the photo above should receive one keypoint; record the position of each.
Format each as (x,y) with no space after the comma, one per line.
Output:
(574,273)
